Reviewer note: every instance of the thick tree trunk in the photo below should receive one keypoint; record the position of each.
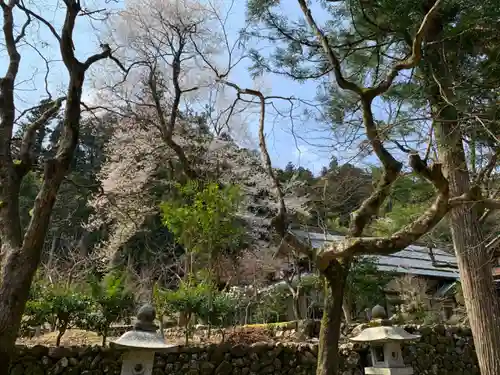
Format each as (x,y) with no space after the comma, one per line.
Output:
(328,353)
(22,255)
(478,286)
(474,261)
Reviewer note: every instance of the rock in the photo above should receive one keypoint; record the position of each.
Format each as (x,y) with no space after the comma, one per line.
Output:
(46,361)
(306,328)
(60,366)
(255,366)
(60,352)
(239,350)
(95,362)
(259,347)
(33,369)
(39,351)
(239,362)
(159,362)
(73,361)
(169,368)
(277,364)
(18,369)
(218,352)
(267,370)
(225,368)
(206,368)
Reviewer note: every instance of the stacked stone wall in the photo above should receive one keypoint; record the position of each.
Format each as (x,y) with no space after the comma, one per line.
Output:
(441,351)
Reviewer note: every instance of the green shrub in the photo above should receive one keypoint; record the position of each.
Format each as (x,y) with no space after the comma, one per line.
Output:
(111,301)
(60,306)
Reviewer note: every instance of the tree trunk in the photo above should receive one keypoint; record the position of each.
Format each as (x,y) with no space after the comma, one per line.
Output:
(21,253)
(296,305)
(247,313)
(60,334)
(24,253)
(473,259)
(104,336)
(328,354)
(346,308)
(474,262)
(53,248)
(83,244)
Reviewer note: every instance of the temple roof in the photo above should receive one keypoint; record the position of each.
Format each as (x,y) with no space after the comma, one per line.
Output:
(414,260)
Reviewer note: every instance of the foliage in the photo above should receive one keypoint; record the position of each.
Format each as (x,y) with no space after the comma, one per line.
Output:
(71,208)
(409,198)
(195,298)
(219,310)
(310,283)
(64,307)
(204,217)
(271,305)
(365,286)
(68,308)
(58,305)
(333,195)
(112,301)
(36,311)
(365,289)
(203,220)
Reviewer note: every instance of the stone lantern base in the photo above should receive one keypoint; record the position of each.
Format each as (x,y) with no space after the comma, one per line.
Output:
(388,371)
(138,362)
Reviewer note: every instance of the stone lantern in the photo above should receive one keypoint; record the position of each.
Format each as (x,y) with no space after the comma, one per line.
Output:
(385,345)
(141,344)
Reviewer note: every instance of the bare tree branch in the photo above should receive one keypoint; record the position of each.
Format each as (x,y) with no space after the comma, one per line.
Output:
(404,237)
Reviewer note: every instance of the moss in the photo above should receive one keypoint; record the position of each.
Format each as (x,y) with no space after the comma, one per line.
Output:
(270,325)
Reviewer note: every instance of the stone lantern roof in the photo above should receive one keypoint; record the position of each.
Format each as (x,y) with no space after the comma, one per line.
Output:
(144,335)
(384,334)
(382,330)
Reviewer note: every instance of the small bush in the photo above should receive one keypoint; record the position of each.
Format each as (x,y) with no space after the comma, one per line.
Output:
(60,306)
(111,301)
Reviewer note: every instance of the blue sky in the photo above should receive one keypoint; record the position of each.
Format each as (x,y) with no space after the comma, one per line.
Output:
(304,142)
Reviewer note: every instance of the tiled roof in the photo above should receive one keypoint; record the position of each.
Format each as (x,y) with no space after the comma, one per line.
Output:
(414,260)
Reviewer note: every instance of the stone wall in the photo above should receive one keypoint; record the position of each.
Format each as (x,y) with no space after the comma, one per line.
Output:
(442,351)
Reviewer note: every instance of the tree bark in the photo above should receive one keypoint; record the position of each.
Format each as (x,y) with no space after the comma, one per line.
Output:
(23,256)
(296,306)
(21,253)
(346,307)
(62,331)
(335,283)
(474,260)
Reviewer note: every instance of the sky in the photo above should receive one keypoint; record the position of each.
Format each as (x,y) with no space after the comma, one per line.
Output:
(303,142)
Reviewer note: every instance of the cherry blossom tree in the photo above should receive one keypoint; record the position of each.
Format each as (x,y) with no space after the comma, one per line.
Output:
(167,125)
